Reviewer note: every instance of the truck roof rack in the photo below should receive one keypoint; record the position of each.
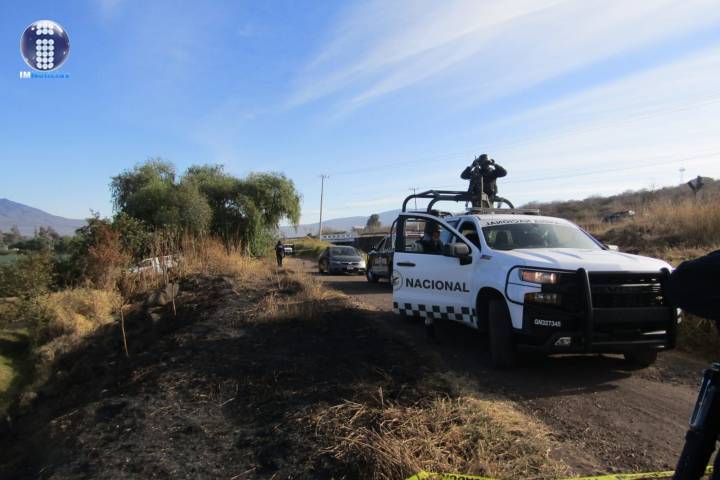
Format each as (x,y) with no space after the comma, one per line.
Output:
(512,211)
(461,196)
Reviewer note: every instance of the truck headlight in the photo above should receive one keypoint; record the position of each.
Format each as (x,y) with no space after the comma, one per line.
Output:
(538,276)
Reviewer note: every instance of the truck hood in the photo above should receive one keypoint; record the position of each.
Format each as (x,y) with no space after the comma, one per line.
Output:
(590,260)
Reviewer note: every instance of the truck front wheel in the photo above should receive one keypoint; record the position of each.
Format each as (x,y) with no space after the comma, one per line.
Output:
(502,344)
(642,358)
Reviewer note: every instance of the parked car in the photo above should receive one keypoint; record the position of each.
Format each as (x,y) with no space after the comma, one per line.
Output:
(341,259)
(380,258)
(157,265)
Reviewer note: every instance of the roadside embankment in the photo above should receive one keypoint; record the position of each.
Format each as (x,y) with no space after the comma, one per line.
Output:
(262,372)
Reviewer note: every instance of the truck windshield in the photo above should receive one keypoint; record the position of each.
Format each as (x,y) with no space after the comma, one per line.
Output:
(537,235)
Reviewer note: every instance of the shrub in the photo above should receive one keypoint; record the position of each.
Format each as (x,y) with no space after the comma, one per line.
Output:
(106,258)
(58,321)
(28,276)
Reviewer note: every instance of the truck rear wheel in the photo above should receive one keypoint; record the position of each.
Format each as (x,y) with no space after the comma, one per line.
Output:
(642,358)
(502,344)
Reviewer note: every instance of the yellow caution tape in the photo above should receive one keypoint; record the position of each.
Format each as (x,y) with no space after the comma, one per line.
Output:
(422,475)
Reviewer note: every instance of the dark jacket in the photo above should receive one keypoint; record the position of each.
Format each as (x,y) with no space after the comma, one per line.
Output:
(693,286)
(488,180)
(280,250)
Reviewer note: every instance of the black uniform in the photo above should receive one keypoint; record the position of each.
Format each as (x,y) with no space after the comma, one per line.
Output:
(483,174)
(279,253)
(693,286)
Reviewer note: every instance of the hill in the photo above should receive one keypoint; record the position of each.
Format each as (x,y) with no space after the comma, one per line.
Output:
(669,223)
(592,209)
(28,219)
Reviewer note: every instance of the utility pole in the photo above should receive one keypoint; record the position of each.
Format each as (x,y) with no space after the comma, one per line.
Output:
(414,190)
(322,188)
(682,174)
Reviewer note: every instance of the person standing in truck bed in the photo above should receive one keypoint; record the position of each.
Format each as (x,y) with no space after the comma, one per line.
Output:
(483,175)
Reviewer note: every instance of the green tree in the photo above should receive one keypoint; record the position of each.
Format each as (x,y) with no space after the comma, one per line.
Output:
(150,193)
(245,210)
(135,235)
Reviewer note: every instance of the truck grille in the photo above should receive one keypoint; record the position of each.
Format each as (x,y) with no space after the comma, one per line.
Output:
(626,290)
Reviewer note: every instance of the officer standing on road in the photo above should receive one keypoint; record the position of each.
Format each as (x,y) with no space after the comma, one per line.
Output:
(483,174)
(279,252)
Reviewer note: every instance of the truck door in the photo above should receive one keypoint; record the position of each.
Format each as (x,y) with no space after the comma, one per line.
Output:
(426,281)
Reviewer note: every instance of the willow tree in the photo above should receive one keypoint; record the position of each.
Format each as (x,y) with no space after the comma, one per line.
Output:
(244,211)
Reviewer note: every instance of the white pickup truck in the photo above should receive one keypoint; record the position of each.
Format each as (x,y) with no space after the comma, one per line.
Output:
(532,282)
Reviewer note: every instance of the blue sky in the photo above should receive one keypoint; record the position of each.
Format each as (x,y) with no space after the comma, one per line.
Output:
(574,98)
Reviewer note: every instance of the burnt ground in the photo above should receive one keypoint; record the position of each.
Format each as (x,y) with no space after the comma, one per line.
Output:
(216,394)
(209,394)
(605,416)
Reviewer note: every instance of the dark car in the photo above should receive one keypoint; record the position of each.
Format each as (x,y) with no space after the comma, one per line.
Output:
(379,263)
(341,259)
(380,258)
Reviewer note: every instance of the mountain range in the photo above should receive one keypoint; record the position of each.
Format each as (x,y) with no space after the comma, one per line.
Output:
(341,224)
(28,219)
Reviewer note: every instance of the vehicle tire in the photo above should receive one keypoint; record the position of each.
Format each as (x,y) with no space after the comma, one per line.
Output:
(371,277)
(641,358)
(500,333)
(320,268)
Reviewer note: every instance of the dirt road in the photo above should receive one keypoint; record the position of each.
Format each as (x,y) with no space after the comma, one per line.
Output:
(606,416)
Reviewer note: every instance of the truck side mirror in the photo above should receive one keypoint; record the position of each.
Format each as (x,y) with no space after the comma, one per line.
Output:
(458,250)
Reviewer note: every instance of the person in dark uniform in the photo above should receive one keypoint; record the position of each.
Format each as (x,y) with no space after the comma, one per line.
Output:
(483,174)
(693,287)
(279,252)
(430,242)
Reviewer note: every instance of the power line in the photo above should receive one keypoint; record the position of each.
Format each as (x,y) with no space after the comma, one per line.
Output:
(322,189)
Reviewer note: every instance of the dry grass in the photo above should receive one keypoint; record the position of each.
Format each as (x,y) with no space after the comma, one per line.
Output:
(676,230)
(60,320)
(207,256)
(295,295)
(467,434)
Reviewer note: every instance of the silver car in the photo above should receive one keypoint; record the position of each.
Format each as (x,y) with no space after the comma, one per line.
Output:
(341,259)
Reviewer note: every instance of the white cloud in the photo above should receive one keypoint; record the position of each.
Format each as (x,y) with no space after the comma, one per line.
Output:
(483,48)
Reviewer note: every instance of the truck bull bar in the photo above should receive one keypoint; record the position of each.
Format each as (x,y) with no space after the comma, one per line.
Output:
(591,319)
